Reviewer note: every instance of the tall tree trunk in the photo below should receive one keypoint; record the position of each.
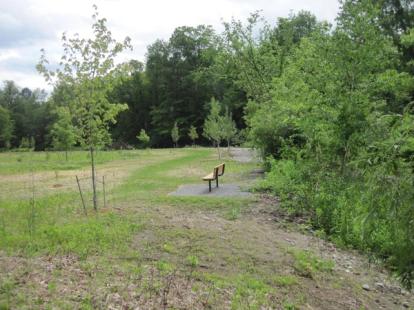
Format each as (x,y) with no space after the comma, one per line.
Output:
(66,155)
(95,202)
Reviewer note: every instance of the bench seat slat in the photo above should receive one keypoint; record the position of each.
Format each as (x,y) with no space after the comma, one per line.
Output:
(209,177)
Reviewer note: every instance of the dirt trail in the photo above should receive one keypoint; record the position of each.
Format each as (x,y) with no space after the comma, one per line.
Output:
(356,282)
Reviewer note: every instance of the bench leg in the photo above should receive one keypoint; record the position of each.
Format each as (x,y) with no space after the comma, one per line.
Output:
(209,185)
(217,182)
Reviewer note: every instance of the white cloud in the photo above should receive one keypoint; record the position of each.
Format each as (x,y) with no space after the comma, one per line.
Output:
(28,25)
(23,79)
(8,54)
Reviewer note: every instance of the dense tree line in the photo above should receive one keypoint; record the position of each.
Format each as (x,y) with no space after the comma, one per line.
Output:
(24,116)
(179,79)
(330,108)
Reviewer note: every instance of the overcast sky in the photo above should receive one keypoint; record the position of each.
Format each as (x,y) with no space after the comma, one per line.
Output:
(26,26)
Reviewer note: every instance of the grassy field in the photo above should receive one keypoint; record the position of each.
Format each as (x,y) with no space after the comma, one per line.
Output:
(147,249)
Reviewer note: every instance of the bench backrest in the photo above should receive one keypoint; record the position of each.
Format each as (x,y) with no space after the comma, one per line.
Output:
(219,170)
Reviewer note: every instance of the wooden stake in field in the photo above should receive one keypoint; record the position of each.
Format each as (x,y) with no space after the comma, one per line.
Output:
(104,193)
(81,195)
(95,201)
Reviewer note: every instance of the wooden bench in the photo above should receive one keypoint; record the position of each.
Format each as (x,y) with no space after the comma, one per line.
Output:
(218,171)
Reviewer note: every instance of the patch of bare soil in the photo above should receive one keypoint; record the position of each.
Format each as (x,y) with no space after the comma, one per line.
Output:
(66,282)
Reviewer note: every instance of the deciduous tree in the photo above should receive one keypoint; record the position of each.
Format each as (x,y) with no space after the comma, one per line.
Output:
(88,68)
(143,138)
(175,134)
(192,133)
(229,128)
(213,125)
(63,132)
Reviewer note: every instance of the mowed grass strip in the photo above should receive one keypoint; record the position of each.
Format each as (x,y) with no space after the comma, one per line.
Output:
(50,182)
(24,162)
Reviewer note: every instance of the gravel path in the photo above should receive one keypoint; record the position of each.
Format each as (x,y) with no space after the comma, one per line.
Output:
(224,190)
(243,155)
